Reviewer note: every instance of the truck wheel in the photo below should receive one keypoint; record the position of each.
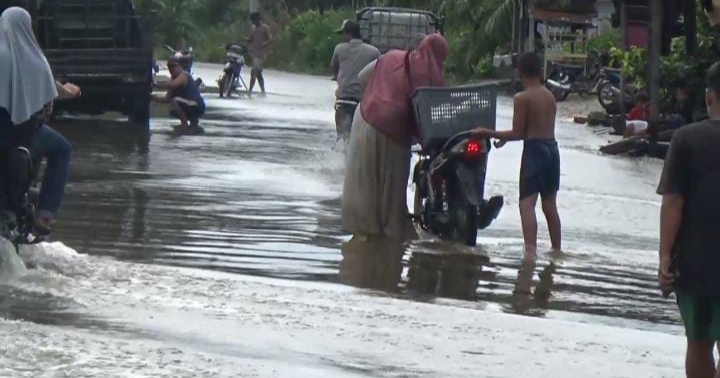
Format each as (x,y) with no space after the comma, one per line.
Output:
(139,113)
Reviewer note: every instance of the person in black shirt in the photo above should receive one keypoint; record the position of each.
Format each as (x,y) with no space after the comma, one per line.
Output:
(689,238)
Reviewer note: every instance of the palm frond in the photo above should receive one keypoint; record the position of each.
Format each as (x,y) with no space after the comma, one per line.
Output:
(499,24)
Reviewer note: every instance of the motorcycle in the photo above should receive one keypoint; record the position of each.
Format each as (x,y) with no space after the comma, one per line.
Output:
(345,109)
(609,92)
(19,196)
(565,79)
(185,58)
(232,80)
(449,177)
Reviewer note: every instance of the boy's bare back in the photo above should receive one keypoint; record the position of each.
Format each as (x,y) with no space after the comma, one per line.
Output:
(537,108)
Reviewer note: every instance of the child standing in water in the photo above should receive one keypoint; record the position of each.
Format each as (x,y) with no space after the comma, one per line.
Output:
(534,123)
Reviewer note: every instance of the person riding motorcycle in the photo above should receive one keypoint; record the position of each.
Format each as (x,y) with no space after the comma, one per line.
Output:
(349,58)
(26,97)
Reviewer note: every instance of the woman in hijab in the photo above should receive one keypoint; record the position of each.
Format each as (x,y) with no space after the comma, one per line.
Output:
(375,192)
(26,95)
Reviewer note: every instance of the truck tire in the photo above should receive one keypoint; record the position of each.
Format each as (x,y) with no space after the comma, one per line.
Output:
(139,111)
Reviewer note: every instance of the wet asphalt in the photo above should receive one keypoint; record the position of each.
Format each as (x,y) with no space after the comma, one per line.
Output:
(258,194)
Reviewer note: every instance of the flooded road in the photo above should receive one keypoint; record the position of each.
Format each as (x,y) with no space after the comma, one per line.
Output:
(221,255)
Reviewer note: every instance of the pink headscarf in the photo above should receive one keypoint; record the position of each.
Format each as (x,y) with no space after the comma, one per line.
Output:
(386,104)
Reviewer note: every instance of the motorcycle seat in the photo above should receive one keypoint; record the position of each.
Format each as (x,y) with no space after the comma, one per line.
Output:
(570,66)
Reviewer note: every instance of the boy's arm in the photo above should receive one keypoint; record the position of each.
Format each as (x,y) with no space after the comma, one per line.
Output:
(673,186)
(268,36)
(335,62)
(178,82)
(519,124)
(670,221)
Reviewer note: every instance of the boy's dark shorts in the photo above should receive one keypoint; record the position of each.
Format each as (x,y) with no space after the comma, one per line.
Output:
(192,109)
(701,317)
(540,170)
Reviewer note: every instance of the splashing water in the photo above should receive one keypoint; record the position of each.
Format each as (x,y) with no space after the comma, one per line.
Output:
(11,266)
(49,256)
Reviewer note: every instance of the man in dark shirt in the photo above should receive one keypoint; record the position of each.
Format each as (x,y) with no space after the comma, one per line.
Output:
(690,231)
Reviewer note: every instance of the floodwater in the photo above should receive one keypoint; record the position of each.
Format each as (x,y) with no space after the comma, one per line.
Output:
(221,255)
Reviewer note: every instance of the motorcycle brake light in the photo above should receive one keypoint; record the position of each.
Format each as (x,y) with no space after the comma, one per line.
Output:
(474,151)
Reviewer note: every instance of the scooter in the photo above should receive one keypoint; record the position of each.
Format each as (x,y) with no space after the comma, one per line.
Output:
(231,79)
(449,177)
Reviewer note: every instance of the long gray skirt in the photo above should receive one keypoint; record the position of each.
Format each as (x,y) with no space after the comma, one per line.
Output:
(374,201)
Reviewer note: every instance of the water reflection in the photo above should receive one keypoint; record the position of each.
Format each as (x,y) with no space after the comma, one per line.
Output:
(444,270)
(448,275)
(372,264)
(380,264)
(525,300)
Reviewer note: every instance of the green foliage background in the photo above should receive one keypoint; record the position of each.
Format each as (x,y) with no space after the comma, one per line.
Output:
(303,28)
(476,29)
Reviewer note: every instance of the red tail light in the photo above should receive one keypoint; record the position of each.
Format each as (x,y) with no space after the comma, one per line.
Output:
(474,151)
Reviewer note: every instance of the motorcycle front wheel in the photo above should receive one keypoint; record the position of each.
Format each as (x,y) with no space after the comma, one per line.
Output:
(226,85)
(608,96)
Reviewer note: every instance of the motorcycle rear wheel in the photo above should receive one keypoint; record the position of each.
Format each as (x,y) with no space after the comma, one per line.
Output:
(464,218)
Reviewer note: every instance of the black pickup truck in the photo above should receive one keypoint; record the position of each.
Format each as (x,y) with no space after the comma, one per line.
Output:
(101,46)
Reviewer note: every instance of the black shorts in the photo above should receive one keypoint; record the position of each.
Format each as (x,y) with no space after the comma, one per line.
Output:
(192,109)
(540,170)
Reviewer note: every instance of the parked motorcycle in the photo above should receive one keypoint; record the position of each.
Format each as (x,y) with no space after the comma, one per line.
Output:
(609,91)
(232,79)
(449,177)
(564,79)
(185,58)
(345,109)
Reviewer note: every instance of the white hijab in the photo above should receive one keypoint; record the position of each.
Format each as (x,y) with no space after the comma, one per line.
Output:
(26,81)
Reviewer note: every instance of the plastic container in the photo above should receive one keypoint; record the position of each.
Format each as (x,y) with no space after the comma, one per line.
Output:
(396,28)
(442,113)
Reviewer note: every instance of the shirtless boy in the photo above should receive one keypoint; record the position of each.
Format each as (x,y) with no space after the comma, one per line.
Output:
(534,123)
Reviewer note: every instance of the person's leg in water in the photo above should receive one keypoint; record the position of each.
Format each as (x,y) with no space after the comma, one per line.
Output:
(529,223)
(261,81)
(49,144)
(253,79)
(179,112)
(700,362)
(552,216)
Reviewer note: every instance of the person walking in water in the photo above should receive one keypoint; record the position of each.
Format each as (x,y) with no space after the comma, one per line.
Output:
(374,202)
(689,223)
(349,58)
(259,40)
(534,123)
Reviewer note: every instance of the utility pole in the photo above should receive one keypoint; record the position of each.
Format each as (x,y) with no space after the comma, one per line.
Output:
(625,47)
(656,17)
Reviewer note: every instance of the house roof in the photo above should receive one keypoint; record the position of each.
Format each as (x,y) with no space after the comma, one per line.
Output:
(559,16)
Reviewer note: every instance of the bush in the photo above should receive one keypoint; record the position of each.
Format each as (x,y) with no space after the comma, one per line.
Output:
(308,42)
